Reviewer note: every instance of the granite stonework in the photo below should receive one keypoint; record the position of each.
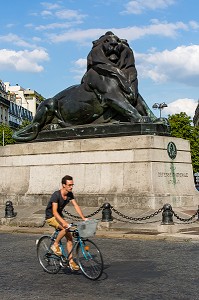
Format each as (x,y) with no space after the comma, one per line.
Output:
(126,171)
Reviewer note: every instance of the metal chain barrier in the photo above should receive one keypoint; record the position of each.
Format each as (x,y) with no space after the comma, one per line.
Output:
(88,216)
(135,222)
(166,208)
(154,214)
(137,219)
(188,219)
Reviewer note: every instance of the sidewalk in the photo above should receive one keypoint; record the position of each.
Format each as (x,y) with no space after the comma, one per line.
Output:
(31,220)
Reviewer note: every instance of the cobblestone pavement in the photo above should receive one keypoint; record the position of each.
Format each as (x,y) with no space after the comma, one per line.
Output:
(134,270)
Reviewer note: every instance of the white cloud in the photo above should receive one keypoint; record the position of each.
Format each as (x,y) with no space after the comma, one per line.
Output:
(194,25)
(156,28)
(79,69)
(46,13)
(129,33)
(50,6)
(56,11)
(81,63)
(10,25)
(69,14)
(53,26)
(36,39)
(16,40)
(139,6)
(181,105)
(77,35)
(180,65)
(22,61)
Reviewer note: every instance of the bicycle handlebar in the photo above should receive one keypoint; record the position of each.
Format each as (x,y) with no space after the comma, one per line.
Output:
(70,227)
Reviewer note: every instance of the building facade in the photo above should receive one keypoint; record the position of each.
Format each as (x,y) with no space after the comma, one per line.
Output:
(11,112)
(17,114)
(4,105)
(26,98)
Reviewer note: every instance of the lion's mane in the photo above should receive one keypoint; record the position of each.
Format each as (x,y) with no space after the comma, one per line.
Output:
(124,67)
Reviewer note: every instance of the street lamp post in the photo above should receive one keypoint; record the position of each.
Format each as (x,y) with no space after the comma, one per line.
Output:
(159,106)
(3,137)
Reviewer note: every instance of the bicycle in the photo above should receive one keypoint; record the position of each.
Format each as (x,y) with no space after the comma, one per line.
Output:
(88,255)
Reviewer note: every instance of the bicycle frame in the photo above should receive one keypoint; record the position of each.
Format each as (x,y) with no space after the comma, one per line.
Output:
(78,240)
(85,253)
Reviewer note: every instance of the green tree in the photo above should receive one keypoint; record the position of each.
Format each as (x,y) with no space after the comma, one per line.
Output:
(25,123)
(181,127)
(194,143)
(6,135)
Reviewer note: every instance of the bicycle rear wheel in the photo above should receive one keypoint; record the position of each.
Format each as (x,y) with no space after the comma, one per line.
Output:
(90,259)
(49,261)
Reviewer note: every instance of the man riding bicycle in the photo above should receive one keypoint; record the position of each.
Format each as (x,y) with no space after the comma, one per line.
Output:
(54,217)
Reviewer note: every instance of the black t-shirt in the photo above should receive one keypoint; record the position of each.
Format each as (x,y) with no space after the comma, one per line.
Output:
(57,198)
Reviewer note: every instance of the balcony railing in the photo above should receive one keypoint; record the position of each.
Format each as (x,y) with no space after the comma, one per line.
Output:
(4,101)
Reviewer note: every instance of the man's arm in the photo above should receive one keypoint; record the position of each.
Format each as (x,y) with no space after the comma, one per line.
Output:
(59,219)
(78,209)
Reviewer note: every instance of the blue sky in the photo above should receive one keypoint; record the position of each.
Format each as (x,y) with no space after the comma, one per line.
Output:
(44,45)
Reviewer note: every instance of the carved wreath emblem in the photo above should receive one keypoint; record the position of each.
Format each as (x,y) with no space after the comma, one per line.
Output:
(172,150)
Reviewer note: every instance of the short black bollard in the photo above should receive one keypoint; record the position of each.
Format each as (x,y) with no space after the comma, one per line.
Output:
(107,213)
(9,210)
(167,215)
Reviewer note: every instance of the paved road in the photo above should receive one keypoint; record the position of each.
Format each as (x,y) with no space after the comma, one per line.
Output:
(133,270)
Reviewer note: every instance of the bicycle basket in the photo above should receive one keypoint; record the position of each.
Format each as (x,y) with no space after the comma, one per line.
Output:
(87,228)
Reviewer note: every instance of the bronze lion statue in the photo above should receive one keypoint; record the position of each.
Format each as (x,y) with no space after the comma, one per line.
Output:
(108,92)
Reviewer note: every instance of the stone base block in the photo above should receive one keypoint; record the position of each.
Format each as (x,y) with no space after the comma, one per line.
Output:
(126,171)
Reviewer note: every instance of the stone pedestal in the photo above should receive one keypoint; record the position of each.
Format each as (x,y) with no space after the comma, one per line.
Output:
(126,171)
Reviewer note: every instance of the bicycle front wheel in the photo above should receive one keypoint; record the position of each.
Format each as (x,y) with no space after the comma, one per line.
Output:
(49,261)
(90,259)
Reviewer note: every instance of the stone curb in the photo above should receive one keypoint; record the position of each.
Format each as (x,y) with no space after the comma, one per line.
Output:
(112,234)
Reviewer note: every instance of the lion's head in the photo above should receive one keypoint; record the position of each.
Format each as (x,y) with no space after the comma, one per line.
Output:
(109,48)
(112,47)
(111,57)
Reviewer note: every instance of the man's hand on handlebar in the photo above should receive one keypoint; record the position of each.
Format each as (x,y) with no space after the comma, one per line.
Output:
(65,225)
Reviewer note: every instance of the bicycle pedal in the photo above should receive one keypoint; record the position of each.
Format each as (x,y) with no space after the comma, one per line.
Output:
(63,262)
